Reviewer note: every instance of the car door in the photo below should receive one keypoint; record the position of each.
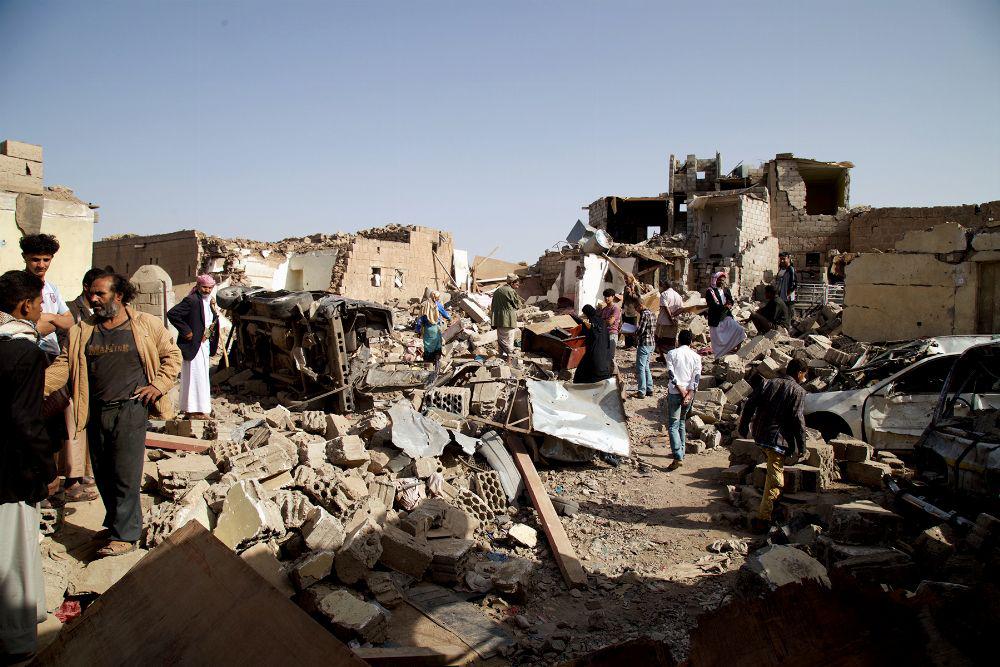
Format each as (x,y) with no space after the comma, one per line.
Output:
(895,414)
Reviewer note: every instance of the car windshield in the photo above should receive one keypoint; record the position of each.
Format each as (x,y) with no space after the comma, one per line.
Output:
(972,398)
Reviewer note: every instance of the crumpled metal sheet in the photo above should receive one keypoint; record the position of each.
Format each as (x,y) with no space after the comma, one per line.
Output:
(416,434)
(589,415)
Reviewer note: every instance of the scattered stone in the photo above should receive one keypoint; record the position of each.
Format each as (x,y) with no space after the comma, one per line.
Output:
(524,535)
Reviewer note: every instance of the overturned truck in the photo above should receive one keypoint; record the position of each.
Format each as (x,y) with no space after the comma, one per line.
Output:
(301,343)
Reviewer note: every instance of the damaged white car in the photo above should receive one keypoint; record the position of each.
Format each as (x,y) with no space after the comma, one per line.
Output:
(893,395)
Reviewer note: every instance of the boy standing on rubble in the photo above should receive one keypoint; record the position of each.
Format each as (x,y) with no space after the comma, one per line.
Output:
(503,314)
(612,314)
(779,428)
(27,465)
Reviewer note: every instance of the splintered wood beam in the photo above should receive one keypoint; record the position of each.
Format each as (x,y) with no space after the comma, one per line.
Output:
(566,558)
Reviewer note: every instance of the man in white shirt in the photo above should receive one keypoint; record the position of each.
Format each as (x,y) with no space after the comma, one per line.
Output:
(37,251)
(671,304)
(685,371)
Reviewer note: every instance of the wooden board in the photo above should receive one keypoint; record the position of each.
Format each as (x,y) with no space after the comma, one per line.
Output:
(192,601)
(177,443)
(404,656)
(566,558)
(442,606)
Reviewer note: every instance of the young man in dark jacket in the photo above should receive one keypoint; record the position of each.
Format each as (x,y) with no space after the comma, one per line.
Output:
(27,464)
(779,428)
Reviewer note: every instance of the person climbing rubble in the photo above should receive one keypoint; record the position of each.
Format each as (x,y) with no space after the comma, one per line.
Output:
(779,427)
(726,332)
(197,323)
(503,314)
(774,312)
(431,313)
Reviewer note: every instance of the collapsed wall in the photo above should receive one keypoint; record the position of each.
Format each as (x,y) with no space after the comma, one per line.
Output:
(940,281)
(880,228)
(381,264)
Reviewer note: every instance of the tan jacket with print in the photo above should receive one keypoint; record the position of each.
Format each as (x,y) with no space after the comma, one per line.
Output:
(160,356)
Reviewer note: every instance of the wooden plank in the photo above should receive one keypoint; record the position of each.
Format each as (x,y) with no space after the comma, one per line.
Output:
(442,606)
(192,601)
(177,443)
(401,655)
(566,558)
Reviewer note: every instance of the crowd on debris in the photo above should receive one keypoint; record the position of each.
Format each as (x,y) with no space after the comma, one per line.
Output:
(349,514)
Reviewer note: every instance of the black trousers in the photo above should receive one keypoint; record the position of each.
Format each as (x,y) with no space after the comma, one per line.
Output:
(116,434)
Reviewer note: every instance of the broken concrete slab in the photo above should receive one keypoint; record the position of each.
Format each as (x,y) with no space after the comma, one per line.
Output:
(353,618)
(311,568)
(772,567)
(940,239)
(100,575)
(246,517)
(322,531)
(360,552)
(523,535)
(404,553)
(348,451)
(863,523)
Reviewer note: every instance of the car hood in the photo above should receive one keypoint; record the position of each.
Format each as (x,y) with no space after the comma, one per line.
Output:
(838,402)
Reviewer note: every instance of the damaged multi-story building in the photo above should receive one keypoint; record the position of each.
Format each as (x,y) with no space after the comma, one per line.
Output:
(382,264)
(740,219)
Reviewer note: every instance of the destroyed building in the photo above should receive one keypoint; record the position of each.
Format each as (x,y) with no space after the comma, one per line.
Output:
(739,220)
(382,264)
(28,207)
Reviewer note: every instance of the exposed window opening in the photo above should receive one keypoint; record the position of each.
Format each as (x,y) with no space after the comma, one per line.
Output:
(376,276)
(812,259)
(825,191)
(700,175)
(652,231)
(682,207)
(398,279)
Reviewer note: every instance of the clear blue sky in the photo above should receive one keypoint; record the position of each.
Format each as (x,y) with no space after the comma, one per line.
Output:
(497,120)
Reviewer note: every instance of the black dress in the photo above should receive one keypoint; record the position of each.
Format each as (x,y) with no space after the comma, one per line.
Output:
(597,363)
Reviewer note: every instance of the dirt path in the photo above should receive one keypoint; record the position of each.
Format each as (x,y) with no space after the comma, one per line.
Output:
(643,536)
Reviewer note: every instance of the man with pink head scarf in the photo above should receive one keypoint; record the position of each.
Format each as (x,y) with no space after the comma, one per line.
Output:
(197,324)
(726,332)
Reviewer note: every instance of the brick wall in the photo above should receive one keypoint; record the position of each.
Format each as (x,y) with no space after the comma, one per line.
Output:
(880,228)
(179,254)
(798,232)
(414,260)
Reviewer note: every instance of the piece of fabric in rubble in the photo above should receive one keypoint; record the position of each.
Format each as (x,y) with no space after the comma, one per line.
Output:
(590,415)
(415,434)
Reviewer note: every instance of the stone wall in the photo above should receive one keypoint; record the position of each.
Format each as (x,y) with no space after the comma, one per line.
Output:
(880,228)
(177,253)
(382,270)
(69,220)
(798,232)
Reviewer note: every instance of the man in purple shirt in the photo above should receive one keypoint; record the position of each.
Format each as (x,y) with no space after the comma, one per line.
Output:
(611,313)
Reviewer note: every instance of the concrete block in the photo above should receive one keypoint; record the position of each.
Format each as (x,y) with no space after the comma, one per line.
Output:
(246,518)
(279,417)
(772,567)
(940,239)
(867,473)
(360,552)
(424,467)
(313,421)
(738,392)
(19,183)
(322,531)
(820,456)
(736,474)
(337,426)
(745,451)
(20,149)
(348,451)
(403,553)
(352,618)
(857,451)
(378,460)
(863,522)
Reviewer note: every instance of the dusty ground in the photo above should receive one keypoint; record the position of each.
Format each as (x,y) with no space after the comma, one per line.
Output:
(643,535)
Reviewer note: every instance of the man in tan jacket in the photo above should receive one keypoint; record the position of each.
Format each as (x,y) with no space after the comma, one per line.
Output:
(119,364)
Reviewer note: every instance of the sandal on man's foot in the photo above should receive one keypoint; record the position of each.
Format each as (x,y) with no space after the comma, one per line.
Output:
(79,493)
(116,548)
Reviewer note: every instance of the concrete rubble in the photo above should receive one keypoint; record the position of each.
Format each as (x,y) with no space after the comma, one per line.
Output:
(346,471)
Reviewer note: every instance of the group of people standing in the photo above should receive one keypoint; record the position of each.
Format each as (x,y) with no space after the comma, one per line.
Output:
(81,379)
